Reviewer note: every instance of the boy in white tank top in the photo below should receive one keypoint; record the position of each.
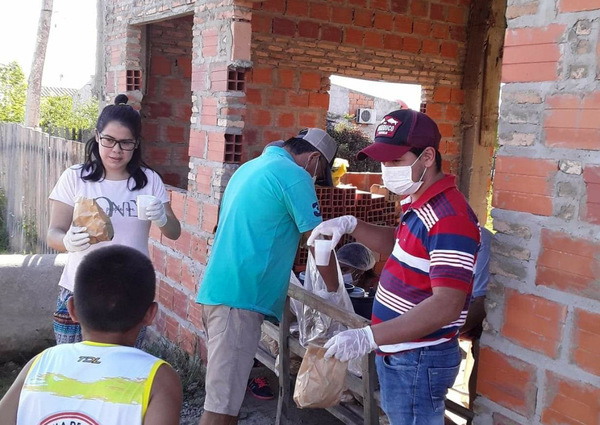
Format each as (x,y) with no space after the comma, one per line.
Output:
(104,379)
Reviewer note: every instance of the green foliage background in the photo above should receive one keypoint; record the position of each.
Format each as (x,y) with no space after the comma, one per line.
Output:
(56,111)
(350,141)
(13,91)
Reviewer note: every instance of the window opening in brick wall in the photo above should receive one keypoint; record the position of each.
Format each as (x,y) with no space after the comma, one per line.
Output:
(167,102)
(423,107)
(235,79)
(233,148)
(134,79)
(357,106)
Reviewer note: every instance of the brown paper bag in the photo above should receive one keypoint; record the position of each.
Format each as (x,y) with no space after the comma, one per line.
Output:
(87,213)
(320,382)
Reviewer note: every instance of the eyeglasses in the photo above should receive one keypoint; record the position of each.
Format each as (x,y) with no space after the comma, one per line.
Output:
(109,142)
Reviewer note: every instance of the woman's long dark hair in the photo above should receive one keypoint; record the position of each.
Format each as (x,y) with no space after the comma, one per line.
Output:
(93,168)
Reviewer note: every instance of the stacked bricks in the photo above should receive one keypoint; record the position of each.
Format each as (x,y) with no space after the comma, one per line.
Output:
(541,346)
(167,104)
(337,201)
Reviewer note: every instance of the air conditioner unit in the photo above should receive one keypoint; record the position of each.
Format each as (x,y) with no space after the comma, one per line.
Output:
(366,116)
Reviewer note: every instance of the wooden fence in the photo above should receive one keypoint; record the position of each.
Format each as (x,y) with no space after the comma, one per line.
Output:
(30,164)
(76,134)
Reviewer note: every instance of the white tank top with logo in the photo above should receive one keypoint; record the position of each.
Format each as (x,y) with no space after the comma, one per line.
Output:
(87,383)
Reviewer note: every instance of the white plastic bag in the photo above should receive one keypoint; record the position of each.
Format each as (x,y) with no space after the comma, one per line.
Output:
(315,327)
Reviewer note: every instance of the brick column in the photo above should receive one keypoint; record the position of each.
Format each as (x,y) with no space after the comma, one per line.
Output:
(541,345)
(445,108)
(221,53)
(122,50)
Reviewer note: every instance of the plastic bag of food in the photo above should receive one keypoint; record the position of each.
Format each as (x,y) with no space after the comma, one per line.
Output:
(315,327)
(87,213)
(320,382)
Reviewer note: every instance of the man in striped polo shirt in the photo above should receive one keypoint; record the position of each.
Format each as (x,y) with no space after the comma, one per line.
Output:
(424,289)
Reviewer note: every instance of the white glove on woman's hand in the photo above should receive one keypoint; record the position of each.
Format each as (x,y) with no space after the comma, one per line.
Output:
(351,344)
(336,228)
(155,211)
(76,239)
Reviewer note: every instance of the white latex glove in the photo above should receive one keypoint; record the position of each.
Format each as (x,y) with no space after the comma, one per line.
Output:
(336,228)
(76,239)
(351,344)
(155,211)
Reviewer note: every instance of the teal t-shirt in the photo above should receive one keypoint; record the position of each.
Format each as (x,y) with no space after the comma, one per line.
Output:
(268,203)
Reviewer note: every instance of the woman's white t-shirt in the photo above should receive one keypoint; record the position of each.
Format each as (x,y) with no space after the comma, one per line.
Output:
(119,203)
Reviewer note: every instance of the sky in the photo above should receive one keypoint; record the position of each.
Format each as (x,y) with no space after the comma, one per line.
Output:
(71,52)
(409,93)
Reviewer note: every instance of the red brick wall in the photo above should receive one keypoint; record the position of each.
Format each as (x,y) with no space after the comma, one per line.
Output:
(179,265)
(297,45)
(167,103)
(280,101)
(359,100)
(180,95)
(540,355)
(286,49)
(362,181)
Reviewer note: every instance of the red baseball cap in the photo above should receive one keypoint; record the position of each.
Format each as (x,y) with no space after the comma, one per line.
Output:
(399,132)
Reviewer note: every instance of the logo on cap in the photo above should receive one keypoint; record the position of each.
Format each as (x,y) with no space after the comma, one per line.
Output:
(387,127)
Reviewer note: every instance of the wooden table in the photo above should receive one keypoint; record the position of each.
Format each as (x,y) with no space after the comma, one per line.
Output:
(366,389)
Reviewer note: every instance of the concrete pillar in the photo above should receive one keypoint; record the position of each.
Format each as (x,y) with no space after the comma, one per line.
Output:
(29,286)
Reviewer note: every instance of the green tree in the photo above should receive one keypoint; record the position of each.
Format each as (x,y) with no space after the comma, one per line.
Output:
(351,140)
(62,112)
(13,93)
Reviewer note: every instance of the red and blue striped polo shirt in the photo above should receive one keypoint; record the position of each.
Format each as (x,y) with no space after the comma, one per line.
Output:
(436,246)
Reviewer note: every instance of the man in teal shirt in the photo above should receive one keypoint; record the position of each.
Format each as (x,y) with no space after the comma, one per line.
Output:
(267,205)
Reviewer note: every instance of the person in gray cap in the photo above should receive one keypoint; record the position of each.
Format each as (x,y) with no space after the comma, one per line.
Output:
(268,204)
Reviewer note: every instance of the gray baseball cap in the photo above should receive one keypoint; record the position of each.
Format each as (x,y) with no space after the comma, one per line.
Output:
(326,145)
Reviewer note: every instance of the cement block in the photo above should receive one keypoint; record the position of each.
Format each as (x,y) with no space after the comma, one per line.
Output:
(570,167)
(512,228)
(29,286)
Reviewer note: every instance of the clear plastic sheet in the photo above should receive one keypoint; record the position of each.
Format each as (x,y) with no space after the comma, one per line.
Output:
(315,327)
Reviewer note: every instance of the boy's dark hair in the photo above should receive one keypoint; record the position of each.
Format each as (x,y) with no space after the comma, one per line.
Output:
(114,286)
(124,114)
(438,157)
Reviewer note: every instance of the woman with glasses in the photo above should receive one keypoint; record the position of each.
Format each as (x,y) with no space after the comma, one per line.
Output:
(113,174)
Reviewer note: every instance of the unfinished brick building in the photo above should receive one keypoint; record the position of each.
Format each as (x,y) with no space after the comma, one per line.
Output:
(217,80)
(540,361)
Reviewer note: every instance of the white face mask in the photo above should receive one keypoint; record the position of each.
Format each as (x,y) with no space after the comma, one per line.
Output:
(399,179)
(314,174)
(348,278)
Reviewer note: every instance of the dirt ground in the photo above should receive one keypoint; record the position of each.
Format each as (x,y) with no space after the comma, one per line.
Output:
(8,373)
(258,412)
